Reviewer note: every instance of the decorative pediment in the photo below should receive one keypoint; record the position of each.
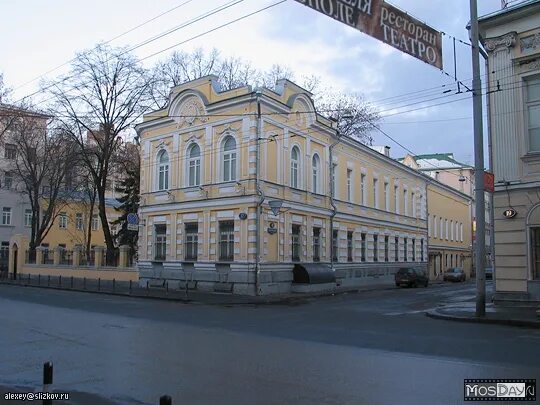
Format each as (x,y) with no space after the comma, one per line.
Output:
(502,42)
(229,129)
(194,137)
(303,111)
(162,145)
(188,111)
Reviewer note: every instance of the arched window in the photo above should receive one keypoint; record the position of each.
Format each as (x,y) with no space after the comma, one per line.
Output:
(194,165)
(316,167)
(229,159)
(295,164)
(163,170)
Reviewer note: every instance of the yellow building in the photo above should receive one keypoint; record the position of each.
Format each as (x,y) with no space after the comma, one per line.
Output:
(236,195)
(70,227)
(449,229)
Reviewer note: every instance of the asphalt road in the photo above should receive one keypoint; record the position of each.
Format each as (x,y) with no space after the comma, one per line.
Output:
(367,348)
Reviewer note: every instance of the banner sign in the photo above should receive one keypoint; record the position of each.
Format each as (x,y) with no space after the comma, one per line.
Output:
(386,23)
(489,182)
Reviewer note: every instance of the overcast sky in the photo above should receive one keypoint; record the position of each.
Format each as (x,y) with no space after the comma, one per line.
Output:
(37,36)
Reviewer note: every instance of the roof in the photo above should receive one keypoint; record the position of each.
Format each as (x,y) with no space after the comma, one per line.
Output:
(508,9)
(437,161)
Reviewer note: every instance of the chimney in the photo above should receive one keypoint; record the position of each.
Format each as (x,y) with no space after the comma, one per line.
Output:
(383,150)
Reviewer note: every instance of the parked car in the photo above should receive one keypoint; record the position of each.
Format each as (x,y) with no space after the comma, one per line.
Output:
(411,277)
(489,273)
(454,274)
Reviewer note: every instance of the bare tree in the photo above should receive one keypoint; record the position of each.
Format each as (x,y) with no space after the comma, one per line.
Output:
(105,93)
(4,90)
(42,160)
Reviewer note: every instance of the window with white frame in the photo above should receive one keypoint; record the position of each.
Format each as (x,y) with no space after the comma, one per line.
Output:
(295,165)
(62,220)
(386,197)
(229,159)
(8,180)
(163,170)
(316,244)
(451,230)
(533,112)
(406,202)
(375,248)
(95,222)
(349,185)
(315,172)
(79,221)
(376,193)
(446,229)
(192,241)
(413,202)
(6,216)
(28,217)
(396,198)
(461,232)
(441,228)
(194,165)
(457,231)
(160,242)
(364,189)
(226,241)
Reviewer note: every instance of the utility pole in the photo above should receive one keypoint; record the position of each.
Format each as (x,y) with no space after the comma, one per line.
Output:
(478,166)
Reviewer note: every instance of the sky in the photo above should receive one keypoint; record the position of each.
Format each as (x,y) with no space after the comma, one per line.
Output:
(38,36)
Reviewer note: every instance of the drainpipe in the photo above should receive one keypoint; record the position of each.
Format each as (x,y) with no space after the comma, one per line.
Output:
(261,196)
(332,203)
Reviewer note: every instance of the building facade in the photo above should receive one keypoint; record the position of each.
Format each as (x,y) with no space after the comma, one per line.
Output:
(248,191)
(444,168)
(511,38)
(449,225)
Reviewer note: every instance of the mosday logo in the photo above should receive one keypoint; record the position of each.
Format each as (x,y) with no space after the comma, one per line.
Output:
(500,390)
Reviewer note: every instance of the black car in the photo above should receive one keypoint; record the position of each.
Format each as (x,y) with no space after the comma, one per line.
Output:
(454,274)
(411,277)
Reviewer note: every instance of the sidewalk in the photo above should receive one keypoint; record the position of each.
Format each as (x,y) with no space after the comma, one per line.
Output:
(465,312)
(191,296)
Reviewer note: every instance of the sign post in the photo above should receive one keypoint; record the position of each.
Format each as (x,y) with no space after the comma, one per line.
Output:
(386,23)
(132,222)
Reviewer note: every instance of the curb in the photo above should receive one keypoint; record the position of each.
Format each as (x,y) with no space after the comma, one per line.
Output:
(187,300)
(494,321)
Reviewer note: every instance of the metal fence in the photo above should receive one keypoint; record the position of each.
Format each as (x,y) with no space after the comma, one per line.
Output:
(66,257)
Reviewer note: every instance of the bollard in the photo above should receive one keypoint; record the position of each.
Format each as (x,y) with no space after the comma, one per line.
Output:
(29,278)
(165,400)
(98,283)
(113,284)
(47,380)
(84,283)
(48,280)
(147,291)
(72,282)
(130,287)
(166,287)
(39,279)
(60,281)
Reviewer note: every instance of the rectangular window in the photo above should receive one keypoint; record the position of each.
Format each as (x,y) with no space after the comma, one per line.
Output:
(8,180)
(62,220)
(461,232)
(95,222)
(451,230)
(414,250)
(295,243)
(421,250)
(226,241)
(10,151)
(535,252)
(446,228)
(441,228)
(28,217)
(192,242)
(363,188)
(405,202)
(396,199)
(413,202)
(349,185)
(386,197)
(396,249)
(376,193)
(404,249)
(420,202)
(349,246)
(363,247)
(533,113)
(6,216)
(160,242)
(79,225)
(375,248)
(386,258)
(316,244)
(335,247)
